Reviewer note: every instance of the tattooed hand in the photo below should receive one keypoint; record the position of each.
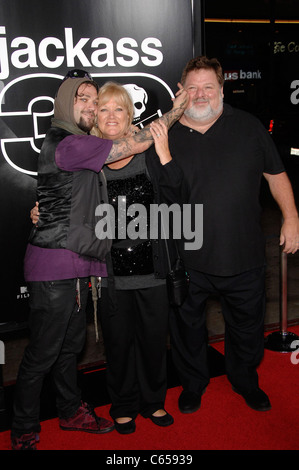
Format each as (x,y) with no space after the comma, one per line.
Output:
(141,141)
(182,98)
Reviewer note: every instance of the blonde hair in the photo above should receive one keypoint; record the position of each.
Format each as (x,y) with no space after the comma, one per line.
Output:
(118,92)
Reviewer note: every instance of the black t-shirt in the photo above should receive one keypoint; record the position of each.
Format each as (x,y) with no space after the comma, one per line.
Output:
(223,169)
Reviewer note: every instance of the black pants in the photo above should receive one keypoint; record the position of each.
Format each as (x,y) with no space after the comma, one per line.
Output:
(135,337)
(242,299)
(57,335)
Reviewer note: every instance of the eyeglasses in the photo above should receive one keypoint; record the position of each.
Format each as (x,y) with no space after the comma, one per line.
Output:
(77,73)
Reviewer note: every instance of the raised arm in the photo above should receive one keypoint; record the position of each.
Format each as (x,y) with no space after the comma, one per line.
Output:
(141,141)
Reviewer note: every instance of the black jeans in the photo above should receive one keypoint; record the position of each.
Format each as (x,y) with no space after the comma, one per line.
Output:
(135,336)
(57,335)
(242,299)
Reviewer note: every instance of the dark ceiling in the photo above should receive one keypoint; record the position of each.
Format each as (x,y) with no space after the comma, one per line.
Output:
(253,9)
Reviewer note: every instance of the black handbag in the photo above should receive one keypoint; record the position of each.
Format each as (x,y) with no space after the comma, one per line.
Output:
(177,281)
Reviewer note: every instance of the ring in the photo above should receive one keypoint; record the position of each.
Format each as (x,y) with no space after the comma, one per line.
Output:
(158,135)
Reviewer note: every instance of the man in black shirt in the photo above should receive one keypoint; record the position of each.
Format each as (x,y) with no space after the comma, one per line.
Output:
(224,153)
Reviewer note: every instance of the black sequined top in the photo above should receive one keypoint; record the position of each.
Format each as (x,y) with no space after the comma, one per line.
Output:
(127,187)
(142,181)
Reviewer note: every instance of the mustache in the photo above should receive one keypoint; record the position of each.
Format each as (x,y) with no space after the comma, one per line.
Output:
(201,100)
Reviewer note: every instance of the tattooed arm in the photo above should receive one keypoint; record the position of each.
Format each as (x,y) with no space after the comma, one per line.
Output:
(141,141)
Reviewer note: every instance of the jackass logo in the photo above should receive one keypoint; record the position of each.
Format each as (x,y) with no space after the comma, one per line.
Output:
(27,105)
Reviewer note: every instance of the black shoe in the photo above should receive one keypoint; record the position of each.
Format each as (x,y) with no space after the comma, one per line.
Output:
(255,399)
(125,428)
(190,401)
(165,420)
(25,441)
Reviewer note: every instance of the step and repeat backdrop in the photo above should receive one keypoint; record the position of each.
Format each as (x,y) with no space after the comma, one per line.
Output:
(143,45)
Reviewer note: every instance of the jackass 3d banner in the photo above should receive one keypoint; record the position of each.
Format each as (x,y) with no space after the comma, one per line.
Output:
(141,44)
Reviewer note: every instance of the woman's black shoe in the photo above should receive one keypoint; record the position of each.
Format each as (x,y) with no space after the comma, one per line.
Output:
(125,428)
(165,420)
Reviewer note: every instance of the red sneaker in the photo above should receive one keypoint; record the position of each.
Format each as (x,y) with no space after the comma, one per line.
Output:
(25,441)
(86,420)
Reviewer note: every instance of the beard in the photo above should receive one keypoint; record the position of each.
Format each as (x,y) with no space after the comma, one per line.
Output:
(205,114)
(85,125)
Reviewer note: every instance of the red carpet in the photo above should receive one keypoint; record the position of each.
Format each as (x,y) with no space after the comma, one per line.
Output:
(224,421)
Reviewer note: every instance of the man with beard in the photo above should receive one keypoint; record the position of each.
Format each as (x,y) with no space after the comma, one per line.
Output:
(63,252)
(224,153)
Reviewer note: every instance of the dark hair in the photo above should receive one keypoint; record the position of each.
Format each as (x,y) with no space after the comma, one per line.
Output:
(88,82)
(203,62)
